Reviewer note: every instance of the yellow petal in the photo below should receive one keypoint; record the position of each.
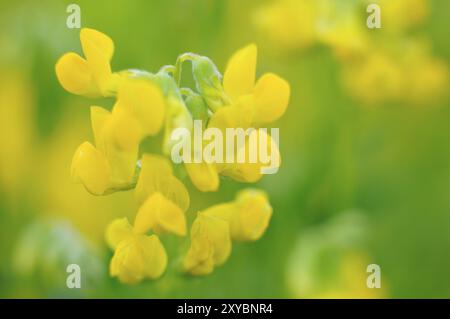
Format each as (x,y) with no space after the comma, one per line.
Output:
(120,146)
(237,115)
(137,258)
(155,257)
(145,101)
(91,168)
(251,171)
(271,98)
(210,245)
(199,258)
(117,231)
(99,119)
(248,216)
(98,49)
(75,76)
(252,215)
(156,176)
(160,215)
(204,176)
(239,77)
(127,131)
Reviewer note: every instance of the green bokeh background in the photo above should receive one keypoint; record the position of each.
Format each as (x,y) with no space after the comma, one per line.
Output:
(391,162)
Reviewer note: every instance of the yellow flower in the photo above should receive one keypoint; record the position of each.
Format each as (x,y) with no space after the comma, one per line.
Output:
(210,245)
(251,105)
(268,98)
(107,167)
(405,71)
(91,77)
(280,22)
(340,27)
(139,112)
(401,15)
(244,219)
(136,255)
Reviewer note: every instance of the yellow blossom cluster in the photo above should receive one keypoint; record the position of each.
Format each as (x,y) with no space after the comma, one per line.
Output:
(146,105)
(386,64)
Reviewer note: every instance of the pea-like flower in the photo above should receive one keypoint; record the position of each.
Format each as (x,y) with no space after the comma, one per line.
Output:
(111,165)
(244,219)
(246,104)
(90,76)
(136,255)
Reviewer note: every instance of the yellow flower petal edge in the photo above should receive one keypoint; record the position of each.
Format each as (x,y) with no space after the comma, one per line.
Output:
(138,257)
(98,49)
(117,231)
(271,98)
(160,215)
(90,167)
(118,141)
(239,76)
(253,215)
(75,76)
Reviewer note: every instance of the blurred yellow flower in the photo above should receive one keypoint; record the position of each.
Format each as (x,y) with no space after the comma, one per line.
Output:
(16,129)
(374,67)
(401,15)
(280,22)
(404,71)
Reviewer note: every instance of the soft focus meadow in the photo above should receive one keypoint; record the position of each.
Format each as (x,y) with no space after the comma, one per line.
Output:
(365,144)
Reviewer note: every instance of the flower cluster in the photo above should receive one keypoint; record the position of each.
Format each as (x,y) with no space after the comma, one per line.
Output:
(389,64)
(148,104)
